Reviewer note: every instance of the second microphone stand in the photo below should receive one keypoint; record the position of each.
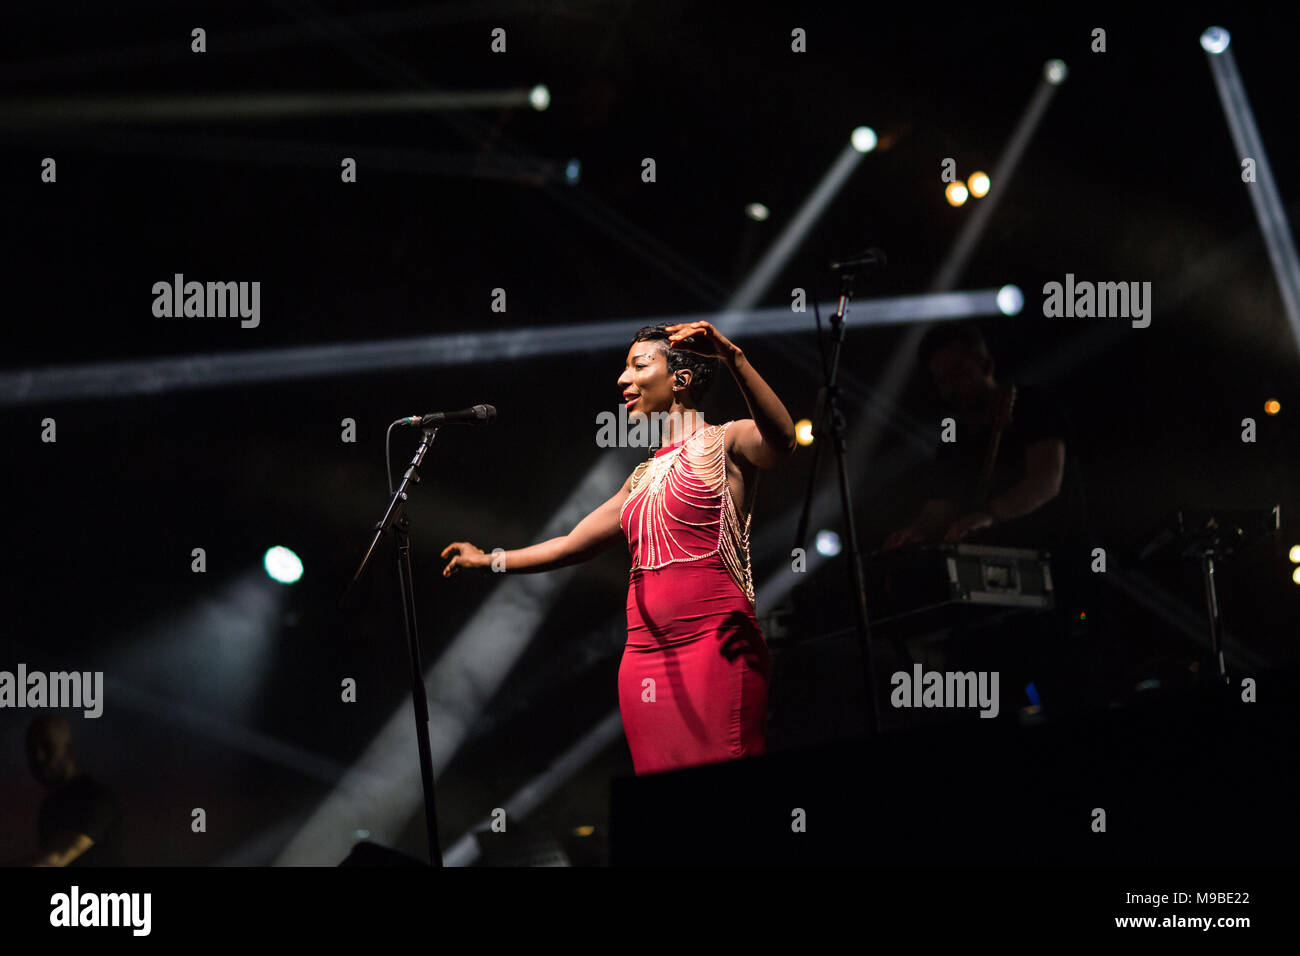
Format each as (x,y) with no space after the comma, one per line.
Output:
(829,412)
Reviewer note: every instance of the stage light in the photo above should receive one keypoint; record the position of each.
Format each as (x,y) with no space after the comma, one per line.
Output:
(1272,406)
(153,110)
(1215,40)
(584,831)
(756,211)
(774,259)
(1295,554)
(979,184)
(864,139)
(282,565)
(1011,300)
(573,171)
(157,376)
(361,834)
(956,193)
(1295,575)
(975,225)
(828,543)
(803,431)
(1055,72)
(1265,198)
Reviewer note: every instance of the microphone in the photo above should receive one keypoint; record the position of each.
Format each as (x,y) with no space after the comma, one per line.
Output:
(873,257)
(476,415)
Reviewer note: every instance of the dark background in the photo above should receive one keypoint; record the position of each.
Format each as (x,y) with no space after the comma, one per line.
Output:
(1132,176)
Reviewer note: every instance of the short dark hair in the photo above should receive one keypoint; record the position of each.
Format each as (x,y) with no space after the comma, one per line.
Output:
(939,337)
(701,368)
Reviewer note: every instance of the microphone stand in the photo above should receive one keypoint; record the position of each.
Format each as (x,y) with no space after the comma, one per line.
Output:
(395,518)
(828,411)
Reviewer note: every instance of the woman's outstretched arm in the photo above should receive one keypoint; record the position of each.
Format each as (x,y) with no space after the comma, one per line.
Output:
(589,537)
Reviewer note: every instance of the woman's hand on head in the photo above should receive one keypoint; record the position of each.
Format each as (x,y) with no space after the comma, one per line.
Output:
(464,555)
(701,338)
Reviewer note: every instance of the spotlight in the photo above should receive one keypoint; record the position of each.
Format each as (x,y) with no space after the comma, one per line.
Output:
(540,97)
(756,211)
(1272,406)
(1295,554)
(828,543)
(1295,575)
(803,431)
(282,565)
(1215,40)
(979,184)
(584,831)
(1011,300)
(956,193)
(1055,72)
(864,139)
(573,171)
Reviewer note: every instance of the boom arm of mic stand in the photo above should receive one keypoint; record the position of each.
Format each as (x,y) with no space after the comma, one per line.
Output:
(857,584)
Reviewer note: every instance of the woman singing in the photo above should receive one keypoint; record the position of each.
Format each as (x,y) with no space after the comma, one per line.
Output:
(692,686)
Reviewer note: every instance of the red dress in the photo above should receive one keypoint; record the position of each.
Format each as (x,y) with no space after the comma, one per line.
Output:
(692,686)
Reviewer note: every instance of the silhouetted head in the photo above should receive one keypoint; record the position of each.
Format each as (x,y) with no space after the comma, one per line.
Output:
(959,363)
(659,379)
(49,750)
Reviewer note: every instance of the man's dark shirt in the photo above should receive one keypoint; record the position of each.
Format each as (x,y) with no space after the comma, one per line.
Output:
(84,805)
(1059,524)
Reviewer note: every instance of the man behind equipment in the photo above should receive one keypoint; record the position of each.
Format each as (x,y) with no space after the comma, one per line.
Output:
(1010,480)
(80,822)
